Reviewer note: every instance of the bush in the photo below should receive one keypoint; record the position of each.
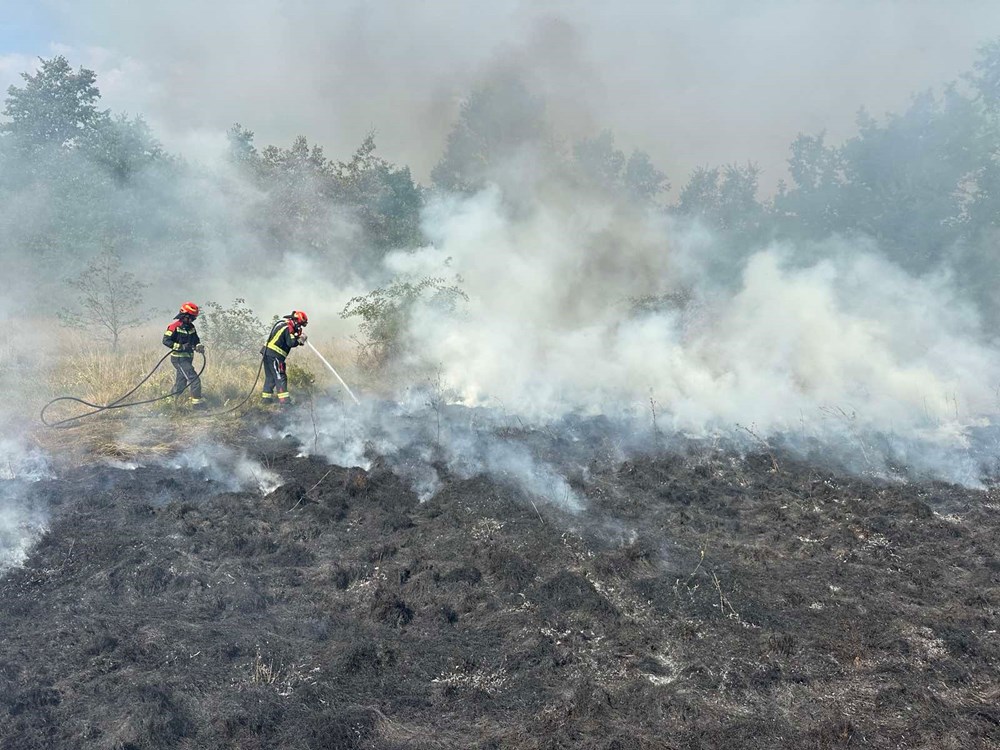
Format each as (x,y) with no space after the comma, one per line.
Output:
(301,379)
(235,330)
(385,313)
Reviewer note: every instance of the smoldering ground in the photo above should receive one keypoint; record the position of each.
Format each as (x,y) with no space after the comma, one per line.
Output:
(23,518)
(679,607)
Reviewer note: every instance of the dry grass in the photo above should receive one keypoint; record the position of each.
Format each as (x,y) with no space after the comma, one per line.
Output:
(101,376)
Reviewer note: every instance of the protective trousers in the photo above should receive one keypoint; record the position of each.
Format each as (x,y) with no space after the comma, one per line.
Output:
(275,379)
(186,375)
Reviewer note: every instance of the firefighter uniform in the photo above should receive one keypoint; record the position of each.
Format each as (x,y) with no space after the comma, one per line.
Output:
(182,338)
(285,335)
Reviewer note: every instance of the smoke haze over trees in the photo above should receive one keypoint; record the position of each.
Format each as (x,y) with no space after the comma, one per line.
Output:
(923,184)
(702,288)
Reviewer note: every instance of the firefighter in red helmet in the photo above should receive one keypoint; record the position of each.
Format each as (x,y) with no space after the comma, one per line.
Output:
(287,333)
(182,338)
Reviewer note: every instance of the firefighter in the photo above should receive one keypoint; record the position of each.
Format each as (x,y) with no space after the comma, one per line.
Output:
(182,338)
(287,333)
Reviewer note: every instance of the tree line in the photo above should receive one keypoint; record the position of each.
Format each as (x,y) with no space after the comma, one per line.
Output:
(77,181)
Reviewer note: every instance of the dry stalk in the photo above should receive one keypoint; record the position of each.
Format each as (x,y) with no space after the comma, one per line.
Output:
(767,448)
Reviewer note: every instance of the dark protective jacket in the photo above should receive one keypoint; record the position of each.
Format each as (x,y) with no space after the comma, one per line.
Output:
(181,336)
(283,337)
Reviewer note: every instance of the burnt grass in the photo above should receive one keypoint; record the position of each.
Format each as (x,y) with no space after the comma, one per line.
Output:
(703,599)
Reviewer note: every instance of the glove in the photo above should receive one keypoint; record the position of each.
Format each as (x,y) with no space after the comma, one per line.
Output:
(303,338)
(199,348)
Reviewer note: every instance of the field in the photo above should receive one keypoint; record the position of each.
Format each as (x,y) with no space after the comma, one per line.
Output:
(704,597)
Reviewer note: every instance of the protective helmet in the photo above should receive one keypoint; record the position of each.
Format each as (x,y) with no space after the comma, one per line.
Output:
(300,317)
(190,308)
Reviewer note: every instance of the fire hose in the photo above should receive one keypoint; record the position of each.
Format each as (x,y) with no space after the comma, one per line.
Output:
(118,403)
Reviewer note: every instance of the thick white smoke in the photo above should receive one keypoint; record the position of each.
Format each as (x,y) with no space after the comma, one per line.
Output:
(548,324)
(827,342)
(22,521)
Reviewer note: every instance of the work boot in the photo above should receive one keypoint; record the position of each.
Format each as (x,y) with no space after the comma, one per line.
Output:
(284,403)
(198,404)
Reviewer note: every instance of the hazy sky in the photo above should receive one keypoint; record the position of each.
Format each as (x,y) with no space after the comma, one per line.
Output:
(693,83)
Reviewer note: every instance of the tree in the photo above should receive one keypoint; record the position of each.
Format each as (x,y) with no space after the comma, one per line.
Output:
(641,179)
(299,184)
(235,330)
(725,198)
(498,120)
(815,206)
(55,106)
(241,147)
(123,147)
(385,313)
(606,167)
(599,160)
(985,78)
(109,298)
(383,197)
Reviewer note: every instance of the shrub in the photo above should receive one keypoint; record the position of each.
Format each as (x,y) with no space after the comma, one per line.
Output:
(235,330)
(385,313)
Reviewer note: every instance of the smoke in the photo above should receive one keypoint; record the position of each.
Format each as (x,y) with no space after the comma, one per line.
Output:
(22,519)
(422,438)
(826,348)
(577,303)
(691,83)
(231,469)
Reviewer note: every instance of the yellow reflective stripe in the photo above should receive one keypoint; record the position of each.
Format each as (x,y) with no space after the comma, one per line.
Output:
(186,355)
(273,343)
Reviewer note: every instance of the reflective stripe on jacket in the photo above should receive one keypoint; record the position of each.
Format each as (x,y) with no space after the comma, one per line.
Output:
(182,337)
(283,337)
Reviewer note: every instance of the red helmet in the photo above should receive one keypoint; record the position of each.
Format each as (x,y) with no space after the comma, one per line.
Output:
(300,317)
(190,308)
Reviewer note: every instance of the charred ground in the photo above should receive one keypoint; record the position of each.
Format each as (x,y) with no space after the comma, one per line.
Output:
(704,599)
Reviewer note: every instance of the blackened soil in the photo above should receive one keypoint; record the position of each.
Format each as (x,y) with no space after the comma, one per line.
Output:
(702,601)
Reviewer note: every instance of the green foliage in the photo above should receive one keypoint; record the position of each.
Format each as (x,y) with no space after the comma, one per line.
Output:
(725,199)
(109,299)
(55,105)
(641,179)
(302,381)
(384,198)
(915,183)
(241,148)
(985,77)
(123,147)
(606,167)
(494,123)
(650,304)
(386,313)
(306,195)
(235,330)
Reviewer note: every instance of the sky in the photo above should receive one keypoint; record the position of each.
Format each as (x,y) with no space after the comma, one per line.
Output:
(692,83)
